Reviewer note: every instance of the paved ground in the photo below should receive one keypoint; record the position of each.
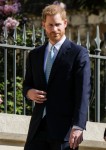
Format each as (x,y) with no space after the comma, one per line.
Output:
(3,147)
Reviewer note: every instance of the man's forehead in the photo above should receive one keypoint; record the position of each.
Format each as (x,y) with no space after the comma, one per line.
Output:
(56,17)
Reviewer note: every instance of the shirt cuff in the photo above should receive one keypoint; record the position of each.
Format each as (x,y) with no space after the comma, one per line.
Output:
(77,127)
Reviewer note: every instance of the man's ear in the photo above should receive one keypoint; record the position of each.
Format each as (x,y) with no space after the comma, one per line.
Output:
(43,24)
(65,22)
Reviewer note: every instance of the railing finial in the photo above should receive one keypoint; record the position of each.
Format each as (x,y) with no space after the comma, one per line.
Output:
(33,36)
(42,36)
(15,35)
(78,39)
(24,35)
(97,39)
(5,34)
(88,42)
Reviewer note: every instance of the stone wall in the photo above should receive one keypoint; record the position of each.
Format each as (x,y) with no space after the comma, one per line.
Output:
(83,21)
(14,128)
(87,22)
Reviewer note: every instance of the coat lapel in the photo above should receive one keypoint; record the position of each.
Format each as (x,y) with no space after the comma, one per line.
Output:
(65,48)
(41,63)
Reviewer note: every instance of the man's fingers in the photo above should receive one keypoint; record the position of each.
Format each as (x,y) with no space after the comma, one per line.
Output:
(40,92)
(75,143)
(76,137)
(71,142)
(38,101)
(41,96)
(37,95)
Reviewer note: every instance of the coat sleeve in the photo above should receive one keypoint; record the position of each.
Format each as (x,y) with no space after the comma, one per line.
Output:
(82,88)
(28,81)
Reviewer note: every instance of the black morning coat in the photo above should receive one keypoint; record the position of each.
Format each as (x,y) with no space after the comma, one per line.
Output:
(68,89)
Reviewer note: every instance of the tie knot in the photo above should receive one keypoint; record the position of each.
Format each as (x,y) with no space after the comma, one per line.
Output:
(52,51)
(52,48)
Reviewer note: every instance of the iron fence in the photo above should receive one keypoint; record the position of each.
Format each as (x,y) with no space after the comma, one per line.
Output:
(97,106)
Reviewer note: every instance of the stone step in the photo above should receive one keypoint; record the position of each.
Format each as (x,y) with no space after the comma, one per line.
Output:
(6,147)
(14,129)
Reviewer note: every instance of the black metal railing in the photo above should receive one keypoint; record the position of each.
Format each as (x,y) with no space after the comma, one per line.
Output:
(98,69)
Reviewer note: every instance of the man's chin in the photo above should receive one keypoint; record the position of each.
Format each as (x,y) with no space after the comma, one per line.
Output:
(56,38)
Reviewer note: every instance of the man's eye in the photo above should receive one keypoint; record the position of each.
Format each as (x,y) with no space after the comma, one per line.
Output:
(50,25)
(58,24)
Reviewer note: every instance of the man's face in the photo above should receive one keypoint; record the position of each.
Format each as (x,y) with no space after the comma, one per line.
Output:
(55,27)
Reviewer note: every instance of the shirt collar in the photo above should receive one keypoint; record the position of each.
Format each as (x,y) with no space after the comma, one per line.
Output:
(58,44)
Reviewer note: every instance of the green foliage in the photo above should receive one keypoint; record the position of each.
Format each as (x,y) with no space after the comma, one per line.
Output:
(20,101)
(10,98)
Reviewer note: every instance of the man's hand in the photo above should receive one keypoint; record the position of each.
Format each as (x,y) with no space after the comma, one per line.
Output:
(76,137)
(36,95)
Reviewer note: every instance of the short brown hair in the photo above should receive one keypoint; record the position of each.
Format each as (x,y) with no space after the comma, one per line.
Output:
(53,10)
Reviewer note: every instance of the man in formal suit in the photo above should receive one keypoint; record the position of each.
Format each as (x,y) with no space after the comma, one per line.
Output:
(60,90)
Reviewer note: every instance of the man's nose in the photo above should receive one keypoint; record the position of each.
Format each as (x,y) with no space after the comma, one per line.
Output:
(54,28)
